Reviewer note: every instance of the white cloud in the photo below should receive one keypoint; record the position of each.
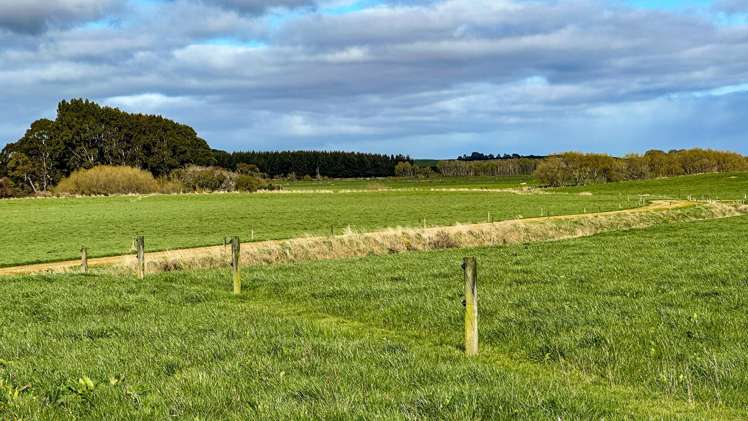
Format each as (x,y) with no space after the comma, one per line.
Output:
(523,72)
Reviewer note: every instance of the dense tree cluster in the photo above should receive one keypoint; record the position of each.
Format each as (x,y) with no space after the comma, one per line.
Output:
(85,135)
(573,168)
(477,156)
(314,163)
(501,167)
(406,169)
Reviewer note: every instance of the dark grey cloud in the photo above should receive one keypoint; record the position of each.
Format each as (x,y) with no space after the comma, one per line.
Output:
(428,78)
(35,16)
(257,7)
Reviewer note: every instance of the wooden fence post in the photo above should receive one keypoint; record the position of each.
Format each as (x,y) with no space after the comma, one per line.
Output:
(469,266)
(84,260)
(235,253)
(140,245)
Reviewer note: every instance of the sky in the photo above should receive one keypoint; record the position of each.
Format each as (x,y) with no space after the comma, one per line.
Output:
(428,78)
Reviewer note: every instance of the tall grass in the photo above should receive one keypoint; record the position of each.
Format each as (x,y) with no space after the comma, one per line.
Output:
(107,180)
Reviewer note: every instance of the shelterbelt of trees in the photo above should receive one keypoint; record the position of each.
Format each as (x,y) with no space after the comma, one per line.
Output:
(573,168)
(332,164)
(85,135)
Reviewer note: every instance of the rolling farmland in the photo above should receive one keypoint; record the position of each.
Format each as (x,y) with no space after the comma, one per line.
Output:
(640,320)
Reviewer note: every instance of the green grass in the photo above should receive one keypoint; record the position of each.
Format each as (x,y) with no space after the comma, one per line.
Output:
(725,186)
(638,324)
(39,230)
(509,182)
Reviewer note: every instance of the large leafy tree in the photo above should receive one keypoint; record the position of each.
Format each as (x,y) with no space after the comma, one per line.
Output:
(85,134)
(35,159)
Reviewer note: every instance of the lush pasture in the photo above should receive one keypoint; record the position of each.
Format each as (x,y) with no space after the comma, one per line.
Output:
(729,186)
(509,182)
(639,324)
(38,230)
(725,186)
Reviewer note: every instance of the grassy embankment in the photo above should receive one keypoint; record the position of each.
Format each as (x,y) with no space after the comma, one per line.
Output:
(41,230)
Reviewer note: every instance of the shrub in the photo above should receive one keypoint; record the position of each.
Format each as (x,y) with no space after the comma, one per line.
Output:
(7,189)
(404,169)
(248,183)
(196,178)
(552,172)
(105,179)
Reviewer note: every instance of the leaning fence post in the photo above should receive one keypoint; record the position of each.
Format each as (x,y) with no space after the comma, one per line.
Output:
(140,244)
(235,249)
(84,259)
(469,266)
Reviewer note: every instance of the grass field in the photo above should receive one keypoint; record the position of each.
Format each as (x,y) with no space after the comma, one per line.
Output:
(40,230)
(730,186)
(725,186)
(637,324)
(513,182)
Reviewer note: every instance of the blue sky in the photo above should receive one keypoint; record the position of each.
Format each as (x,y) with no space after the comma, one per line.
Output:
(431,78)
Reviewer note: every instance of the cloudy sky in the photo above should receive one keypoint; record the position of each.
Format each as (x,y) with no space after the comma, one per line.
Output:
(431,78)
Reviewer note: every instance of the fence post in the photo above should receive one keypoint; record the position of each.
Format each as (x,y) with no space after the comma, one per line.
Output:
(469,266)
(235,252)
(84,259)
(140,245)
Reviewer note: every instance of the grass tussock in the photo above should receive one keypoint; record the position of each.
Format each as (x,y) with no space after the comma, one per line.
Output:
(398,240)
(108,180)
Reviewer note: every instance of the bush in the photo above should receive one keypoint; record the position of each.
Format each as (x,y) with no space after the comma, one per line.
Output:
(196,178)
(552,172)
(106,180)
(7,189)
(248,183)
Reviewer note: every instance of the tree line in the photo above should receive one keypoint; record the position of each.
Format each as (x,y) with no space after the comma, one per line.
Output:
(501,167)
(574,168)
(334,164)
(478,156)
(84,135)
